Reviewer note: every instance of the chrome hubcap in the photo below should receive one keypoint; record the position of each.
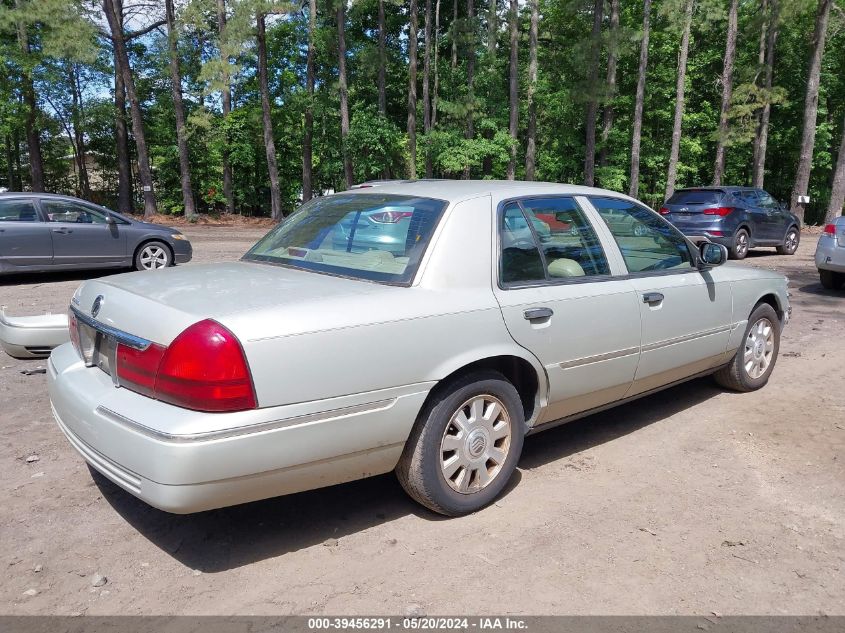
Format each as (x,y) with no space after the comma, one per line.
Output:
(742,243)
(153,257)
(475,444)
(759,348)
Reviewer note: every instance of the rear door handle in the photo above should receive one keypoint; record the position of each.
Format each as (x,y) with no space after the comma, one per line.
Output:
(652,297)
(532,314)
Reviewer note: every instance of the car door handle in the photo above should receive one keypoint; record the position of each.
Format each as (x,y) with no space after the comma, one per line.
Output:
(532,314)
(652,297)
(63,231)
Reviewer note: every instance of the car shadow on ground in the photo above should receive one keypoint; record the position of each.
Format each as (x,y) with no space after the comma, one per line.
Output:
(228,538)
(21,279)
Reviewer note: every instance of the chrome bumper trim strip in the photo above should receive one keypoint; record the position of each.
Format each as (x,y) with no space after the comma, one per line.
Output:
(249,429)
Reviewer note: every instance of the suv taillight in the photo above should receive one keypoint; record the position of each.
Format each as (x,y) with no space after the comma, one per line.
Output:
(203,369)
(830,229)
(664,211)
(390,217)
(720,211)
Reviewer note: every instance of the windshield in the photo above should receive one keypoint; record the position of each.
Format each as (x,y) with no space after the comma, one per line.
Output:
(377,237)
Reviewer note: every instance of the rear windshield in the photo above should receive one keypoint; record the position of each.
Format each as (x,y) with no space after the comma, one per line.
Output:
(377,237)
(695,196)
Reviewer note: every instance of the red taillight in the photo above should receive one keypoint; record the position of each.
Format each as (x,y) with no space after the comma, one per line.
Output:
(715,233)
(204,369)
(830,229)
(720,211)
(390,217)
(664,211)
(137,369)
(73,331)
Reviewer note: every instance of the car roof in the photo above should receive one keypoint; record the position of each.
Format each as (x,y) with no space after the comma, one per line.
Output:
(717,188)
(456,190)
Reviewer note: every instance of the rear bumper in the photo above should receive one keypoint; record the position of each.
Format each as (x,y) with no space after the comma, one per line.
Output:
(185,461)
(829,256)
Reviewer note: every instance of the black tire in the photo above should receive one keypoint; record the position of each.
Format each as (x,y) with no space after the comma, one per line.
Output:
(734,375)
(831,280)
(741,244)
(790,241)
(161,255)
(419,469)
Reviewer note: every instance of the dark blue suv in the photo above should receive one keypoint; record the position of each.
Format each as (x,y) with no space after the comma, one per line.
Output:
(738,217)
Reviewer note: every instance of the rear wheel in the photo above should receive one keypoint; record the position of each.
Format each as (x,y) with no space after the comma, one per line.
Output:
(831,280)
(739,249)
(152,256)
(755,359)
(465,445)
(790,242)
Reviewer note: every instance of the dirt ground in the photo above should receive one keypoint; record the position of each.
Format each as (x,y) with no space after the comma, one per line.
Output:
(689,501)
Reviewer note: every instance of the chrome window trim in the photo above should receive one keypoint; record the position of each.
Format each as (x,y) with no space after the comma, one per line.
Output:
(124,338)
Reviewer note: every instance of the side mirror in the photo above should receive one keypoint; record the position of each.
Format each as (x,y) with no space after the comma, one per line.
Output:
(110,219)
(712,254)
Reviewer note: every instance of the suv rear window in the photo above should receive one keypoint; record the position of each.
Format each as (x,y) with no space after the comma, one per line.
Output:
(695,196)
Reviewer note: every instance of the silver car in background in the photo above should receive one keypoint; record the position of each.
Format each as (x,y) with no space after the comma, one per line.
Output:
(41,232)
(830,255)
(310,363)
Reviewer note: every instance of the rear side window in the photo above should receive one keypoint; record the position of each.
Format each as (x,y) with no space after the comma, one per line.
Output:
(695,196)
(548,239)
(17,211)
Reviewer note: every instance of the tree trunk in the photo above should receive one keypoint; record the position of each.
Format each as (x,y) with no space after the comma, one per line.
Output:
(269,143)
(672,172)
(179,109)
(761,67)
(436,74)
(226,98)
(344,93)
(531,145)
(470,129)
(308,135)
(811,107)
(492,29)
(592,104)
(762,133)
(382,61)
(121,135)
(513,96)
(10,164)
(837,193)
(612,59)
(78,135)
(454,29)
(144,172)
(18,177)
(426,88)
(412,89)
(33,134)
(636,136)
(727,91)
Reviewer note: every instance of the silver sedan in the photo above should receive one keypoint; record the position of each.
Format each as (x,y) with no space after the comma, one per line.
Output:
(315,361)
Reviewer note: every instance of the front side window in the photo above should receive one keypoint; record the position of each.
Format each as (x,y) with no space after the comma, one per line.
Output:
(547,239)
(377,237)
(647,241)
(766,201)
(67,211)
(17,211)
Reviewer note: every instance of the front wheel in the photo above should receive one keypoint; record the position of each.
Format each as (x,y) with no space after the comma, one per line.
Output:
(739,249)
(465,445)
(152,256)
(790,242)
(755,359)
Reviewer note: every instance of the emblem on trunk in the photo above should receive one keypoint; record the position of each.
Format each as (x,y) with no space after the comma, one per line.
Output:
(95,308)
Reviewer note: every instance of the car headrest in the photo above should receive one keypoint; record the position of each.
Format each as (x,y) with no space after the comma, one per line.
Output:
(564,267)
